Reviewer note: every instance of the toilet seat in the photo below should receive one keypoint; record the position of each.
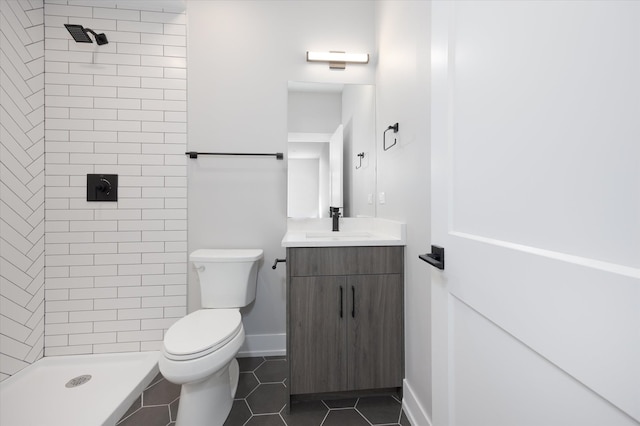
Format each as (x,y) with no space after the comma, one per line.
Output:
(201,333)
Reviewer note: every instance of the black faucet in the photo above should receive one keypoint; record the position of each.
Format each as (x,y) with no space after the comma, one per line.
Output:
(334,212)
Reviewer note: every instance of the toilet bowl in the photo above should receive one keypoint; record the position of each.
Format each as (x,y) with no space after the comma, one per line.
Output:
(197,353)
(199,350)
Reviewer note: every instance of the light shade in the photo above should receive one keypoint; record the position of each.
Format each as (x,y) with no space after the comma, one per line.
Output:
(338,59)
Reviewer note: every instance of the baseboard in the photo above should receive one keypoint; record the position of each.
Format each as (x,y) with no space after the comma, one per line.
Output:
(263,345)
(416,414)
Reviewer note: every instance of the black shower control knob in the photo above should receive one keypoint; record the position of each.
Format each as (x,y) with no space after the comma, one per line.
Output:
(104,186)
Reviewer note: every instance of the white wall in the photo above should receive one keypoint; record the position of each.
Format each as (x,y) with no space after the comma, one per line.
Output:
(358,119)
(303,182)
(402,96)
(312,112)
(21,185)
(318,114)
(115,272)
(241,55)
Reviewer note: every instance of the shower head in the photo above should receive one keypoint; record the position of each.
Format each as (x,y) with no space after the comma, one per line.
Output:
(79,34)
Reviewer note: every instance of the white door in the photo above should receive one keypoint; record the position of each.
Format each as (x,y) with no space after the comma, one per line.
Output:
(335,168)
(536,200)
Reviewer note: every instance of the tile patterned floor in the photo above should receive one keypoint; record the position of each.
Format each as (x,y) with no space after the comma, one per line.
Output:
(261,400)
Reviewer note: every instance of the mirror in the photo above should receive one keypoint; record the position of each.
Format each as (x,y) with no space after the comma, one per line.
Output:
(330,149)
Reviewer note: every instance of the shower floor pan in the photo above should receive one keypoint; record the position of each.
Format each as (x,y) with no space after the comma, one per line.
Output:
(82,390)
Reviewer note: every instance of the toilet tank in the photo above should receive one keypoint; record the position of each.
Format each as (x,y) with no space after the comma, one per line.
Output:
(227,277)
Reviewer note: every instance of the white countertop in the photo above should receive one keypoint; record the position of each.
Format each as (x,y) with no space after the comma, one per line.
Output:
(353,232)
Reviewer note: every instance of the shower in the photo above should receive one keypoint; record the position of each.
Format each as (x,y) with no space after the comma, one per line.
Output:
(79,34)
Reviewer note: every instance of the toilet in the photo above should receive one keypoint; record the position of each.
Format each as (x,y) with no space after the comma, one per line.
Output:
(199,350)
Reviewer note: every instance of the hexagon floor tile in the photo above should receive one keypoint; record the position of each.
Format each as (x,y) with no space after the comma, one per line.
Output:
(261,401)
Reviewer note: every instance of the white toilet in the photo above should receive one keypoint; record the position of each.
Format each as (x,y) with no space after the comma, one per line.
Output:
(199,350)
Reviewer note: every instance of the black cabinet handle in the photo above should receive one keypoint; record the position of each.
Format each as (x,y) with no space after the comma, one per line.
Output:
(353,302)
(435,258)
(341,301)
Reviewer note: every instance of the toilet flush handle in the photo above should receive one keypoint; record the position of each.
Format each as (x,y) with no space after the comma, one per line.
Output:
(275,264)
(200,268)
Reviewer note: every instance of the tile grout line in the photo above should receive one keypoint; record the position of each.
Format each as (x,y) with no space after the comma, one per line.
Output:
(324,419)
(251,414)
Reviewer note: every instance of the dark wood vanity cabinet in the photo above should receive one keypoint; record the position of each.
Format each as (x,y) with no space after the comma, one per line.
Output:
(344,318)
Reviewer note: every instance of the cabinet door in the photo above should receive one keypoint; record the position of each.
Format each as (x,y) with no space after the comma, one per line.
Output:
(317,326)
(375,331)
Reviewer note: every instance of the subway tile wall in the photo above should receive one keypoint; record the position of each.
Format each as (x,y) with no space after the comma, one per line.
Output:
(115,272)
(21,184)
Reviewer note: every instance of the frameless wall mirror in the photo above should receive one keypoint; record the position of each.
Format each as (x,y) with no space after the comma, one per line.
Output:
(331,150)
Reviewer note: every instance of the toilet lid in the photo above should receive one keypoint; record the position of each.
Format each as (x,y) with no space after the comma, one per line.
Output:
(201,332)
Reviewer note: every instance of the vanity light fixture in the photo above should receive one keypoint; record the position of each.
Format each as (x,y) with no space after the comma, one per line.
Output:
(338,60)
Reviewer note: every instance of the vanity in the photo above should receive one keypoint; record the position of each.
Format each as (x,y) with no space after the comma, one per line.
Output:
(345,327)
(345,289)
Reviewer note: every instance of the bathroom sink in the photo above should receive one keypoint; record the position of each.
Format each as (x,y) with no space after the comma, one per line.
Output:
(354,231)
(330,235)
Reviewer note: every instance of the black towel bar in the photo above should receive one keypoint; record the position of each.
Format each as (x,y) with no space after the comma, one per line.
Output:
(195,154)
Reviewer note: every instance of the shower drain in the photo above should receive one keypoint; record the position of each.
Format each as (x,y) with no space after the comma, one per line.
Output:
(77,381)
